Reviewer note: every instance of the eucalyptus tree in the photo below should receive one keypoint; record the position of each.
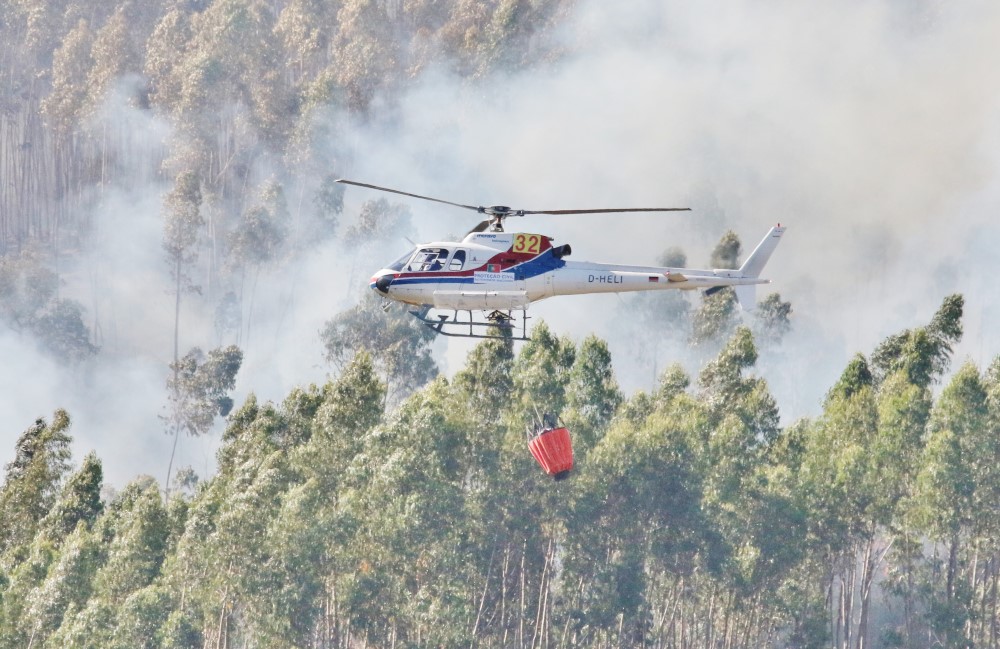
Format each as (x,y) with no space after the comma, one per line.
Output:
(716,319)
(540,374)
(637,534)
(760,524)
(182,222)
(79,501)
(835,487)
(771,320)
(895,456)
(68,585)
(411,545)
(307,29)
(71,64)
(924,353)
(60,330)
(347,409)
(224,561)
(487,378)
(328,205)
(30,303)
(367,51)
(32,480)
(592,394)
(164,54)
(27,288)
(947,506)
(399,345)
(197,392)
(115,54)
(258,241)
(133,544)
(378,221)
(986,525)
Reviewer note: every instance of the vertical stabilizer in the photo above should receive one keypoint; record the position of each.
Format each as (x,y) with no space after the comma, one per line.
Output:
(755,262)
(746,294)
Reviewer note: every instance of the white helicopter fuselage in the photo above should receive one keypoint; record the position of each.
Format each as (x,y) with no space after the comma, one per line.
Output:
(508,271)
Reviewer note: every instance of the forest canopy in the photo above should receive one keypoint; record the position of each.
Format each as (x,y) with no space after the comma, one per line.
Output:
(692,517)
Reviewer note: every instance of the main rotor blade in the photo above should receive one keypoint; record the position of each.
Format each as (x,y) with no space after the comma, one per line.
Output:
(480,227)
(396,191)
(605,210)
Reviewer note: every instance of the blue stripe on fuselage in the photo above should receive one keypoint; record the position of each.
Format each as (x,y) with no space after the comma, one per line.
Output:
(543,263)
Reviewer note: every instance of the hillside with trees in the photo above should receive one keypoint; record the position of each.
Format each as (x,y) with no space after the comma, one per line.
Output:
(691,519)
(392,505)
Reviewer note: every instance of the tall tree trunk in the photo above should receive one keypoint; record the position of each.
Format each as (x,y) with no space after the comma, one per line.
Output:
(952,568)
(867,577)
(177,328)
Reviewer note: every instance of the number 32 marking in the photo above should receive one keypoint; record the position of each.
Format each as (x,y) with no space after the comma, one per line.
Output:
(528,243)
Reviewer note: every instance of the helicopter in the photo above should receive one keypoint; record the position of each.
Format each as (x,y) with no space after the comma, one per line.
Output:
(498,273)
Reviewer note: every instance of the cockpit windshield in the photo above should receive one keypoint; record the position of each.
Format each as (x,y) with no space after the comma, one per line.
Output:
(399,263)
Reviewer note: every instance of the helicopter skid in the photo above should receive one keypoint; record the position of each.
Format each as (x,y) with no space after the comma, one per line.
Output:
(496,324)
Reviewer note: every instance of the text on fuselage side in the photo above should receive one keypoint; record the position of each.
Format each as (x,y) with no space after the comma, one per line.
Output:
(605,279)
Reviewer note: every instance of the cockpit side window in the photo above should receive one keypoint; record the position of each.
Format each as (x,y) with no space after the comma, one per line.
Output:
(428,259)
(457,260)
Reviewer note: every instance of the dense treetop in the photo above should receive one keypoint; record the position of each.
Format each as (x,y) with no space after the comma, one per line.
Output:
(691,519)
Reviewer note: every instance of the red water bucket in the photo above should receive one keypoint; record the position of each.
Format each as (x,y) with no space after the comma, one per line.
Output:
(553,451)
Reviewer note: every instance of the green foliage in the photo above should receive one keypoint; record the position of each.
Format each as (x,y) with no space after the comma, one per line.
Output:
(27,286)
(592,394)
(199,388)
(182,219)
(947,482)
(771,319)
(487,378)
(69,583)
(70,66)
(79,502)
(62,333)
(366,51)
(541,373)
(29,302)
(377,221)
(258,238)
(398,344)
(855,378)
(715,320)
(923,353)
(726,253)
(32,480)
(329,202)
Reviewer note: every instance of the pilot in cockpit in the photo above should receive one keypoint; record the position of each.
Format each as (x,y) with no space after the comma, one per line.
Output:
(435,260)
